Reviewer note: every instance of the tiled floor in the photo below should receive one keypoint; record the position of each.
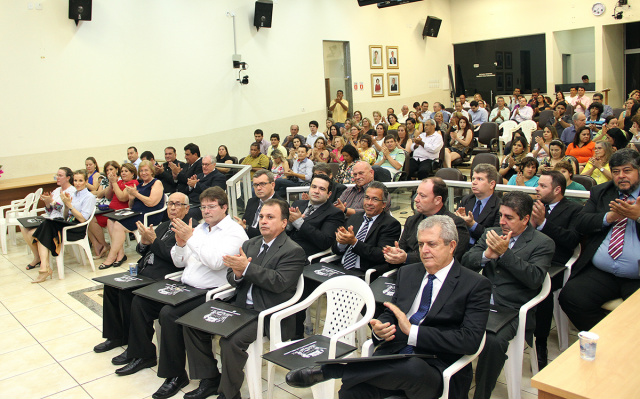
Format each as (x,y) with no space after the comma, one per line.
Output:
(47,336)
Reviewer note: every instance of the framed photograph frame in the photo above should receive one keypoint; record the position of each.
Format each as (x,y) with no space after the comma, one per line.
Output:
(393,83)
(499,59)
(499,82)
(507,60)
(393,57)
(377,85)
(508,81)
(375,57)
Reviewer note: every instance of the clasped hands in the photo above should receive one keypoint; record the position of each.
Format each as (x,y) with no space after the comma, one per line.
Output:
(387,331)
(192,181)
(346,236)
(237,263)
(394,255)
(497,245)
(294,214)
(147,234)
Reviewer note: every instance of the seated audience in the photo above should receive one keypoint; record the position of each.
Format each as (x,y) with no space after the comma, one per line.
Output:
(459,109)
(209,177)
(93,172)
(556,155)
(350,201)
(280,165)
(357,118)
(628,107)
(617,138)
(311,138)
(275,145)
(582,147)
(377,119)
(256,159)
(328,123)
(561,119)
(559,98)
(634,131)
(541,149)
(264,187)
(527,174)
(607,110)
(598,166)
(566,169)
(334,131)
(595,120)
(76,207)
(404,142)
(299,175)
(345,171)
(146,197)
(391,158)
(258,135)
(610,122)
(460,141)
(569,133)
(438,107)
(366,151)
(440,124)
(539,106)
(224,157)
(607,268)
(393,122)
(164,172)
(378,140)
(511,163)
(319,153)
(181,174)
(582,102)
(288,141)
(293,151)
(523,112)
(500,113)
(426,151)
(336,152)
(477,115)
(132,156)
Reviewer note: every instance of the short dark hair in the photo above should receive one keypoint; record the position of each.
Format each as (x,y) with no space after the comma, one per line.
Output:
(599,95)
(566,166)
(134,148)
(284,207)
(473,103)
(115,165)
(439,187)
(216,194)
(390,136)
(268,173)
(521,203)
(564,104)
(557,179)
(148,155)
(340,91)
(275,135)
(192,148)
(351,150)
(581,87)
(321,167)
(625,156)
(171,148)
(366,138)
(416,104)
(314,123)
(256,144)
(325,178)
(411,120)
(131,168)
(526,161)
(377,185)
(258,131)
(585,77)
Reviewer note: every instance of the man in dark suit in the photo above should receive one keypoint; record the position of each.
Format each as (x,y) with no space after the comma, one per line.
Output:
(555,216)
(608,266)
(264,187)
(155,248)
(163,172)
(430,199)
(210,177)
(322,168)
(181,175)
(313,223)
(480,209)
(265,274)
(438,308)
(515,258)
(364,234)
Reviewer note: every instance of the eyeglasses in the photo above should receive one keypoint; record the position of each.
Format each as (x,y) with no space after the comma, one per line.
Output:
(209,207)
(259,185)
(176,204)
(206,164)
(374,199)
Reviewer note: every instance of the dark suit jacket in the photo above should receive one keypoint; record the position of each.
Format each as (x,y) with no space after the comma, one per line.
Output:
(161,250)
(186,173)
(318,232)
(518,274)
(454,325)
(489,217)
(589,223)
(560,227)
(213,179)
(166,177)
(274,281)
(250,213)
(409,240)
(385,230)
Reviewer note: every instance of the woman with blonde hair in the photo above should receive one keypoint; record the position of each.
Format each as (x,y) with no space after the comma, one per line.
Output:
(598,166)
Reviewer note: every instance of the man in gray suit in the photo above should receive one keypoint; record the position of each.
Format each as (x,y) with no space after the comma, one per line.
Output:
(515,258)
(265,274)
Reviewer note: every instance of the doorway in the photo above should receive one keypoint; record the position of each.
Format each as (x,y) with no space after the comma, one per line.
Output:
(337,73)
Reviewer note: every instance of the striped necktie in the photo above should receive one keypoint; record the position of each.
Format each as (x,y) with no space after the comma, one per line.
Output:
(617,236)
(350,257)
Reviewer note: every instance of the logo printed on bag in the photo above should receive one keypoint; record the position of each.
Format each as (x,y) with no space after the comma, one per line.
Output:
(308,351)
(125,278)
(218,315)
(173,289)
(327,272)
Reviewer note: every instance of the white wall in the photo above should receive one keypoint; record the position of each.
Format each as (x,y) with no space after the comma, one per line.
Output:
(153,73)
(581,44)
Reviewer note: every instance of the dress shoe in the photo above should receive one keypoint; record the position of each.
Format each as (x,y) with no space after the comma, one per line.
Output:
(121,359)
(305,377)
(207,387)
(119,262)
(107,345)
(136,365)
(171,386)
(543,355)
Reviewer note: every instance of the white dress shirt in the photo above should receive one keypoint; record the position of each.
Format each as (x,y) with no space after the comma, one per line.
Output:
(201,257)
(432,146)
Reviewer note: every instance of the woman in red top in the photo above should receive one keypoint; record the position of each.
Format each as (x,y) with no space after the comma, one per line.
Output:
(582,147)
(119,200)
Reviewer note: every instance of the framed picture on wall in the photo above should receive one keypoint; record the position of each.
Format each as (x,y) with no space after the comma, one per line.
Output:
(499,59)
(508,81)
(375,57)
(499,81)
(377,85)
(507,60)
(392,57)
(393,83)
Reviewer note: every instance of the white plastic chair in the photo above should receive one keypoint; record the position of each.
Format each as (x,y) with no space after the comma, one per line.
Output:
(367,350)
(513,365)
(527,128)
(146,216)
(346,295)
(507,127)
(562,321)
(9,215)
(83,243)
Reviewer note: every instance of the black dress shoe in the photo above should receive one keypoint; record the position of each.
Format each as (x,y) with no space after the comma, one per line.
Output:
(107,345)
(305,377)
(121,359)
(171,387)
(119,262)
(136,365)
(208,387)
(543,355)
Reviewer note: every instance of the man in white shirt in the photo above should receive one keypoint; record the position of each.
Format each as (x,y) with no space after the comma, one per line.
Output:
(402,118)
(573,96)
(426,150)
(458,108)
(132,156)
(513,100)
(311,139)
(464,102)
(424,112)
(522,112)
(203,268)
(500,113)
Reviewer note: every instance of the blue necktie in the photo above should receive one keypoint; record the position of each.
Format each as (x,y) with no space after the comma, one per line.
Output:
(351,257)
(476,210)
(425,304)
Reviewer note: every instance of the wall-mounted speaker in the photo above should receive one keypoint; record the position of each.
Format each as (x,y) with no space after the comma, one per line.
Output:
(80,10)
(431,27)
(264,12)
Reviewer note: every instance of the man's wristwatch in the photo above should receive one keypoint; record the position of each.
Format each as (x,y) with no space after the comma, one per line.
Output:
(601,169)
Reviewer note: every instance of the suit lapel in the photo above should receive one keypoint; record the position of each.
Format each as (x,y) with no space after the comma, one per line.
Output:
(412,289)
(448,286)
(491,204)
(376,223)
(273,249)
(524,238)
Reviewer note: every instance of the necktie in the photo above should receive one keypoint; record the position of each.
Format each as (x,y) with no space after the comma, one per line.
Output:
(256,217)
(547,209)
(350,258)
(150,257)
(476,210)
(261,255)
(617,236)
(423,309)
(310,209)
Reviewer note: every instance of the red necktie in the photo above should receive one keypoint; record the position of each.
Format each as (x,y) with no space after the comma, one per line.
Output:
(617,236)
